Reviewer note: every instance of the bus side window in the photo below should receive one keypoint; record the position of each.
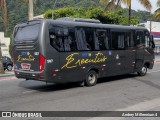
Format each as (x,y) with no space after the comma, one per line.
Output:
(118,40)
(56,40)
(129,41)
(90,42)
(148,42)
(139,37)
(72,40)
(62,39)
(80,39)
(103,40)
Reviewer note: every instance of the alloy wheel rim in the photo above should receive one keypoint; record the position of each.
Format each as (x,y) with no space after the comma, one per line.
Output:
(144,70)
(9,67)
(92,78)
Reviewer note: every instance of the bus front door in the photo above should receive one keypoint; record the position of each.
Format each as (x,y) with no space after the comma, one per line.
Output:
(139,49)
(130,60)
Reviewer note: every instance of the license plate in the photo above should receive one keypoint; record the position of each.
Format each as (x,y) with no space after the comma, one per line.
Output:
(26,66)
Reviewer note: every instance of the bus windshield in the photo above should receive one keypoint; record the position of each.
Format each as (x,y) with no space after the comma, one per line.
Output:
(29,32)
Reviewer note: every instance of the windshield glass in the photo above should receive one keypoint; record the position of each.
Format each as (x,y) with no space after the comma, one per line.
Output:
(29,32)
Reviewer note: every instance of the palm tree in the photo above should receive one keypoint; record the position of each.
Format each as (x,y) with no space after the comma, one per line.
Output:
(110,3)
(5,21)
(4,12)
(1,63)
(157,12)
(30,9)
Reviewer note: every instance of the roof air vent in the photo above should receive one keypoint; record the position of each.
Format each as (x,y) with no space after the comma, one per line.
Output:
(79,20)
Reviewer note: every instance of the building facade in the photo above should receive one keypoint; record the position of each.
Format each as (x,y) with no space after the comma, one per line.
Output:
(4,42)
(154,28)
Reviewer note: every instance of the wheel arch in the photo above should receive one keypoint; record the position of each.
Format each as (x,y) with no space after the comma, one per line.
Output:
(9,64)
(94,68)
(148,64)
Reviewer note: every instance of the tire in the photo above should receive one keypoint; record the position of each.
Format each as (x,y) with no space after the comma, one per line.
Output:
(9,67)
(91,78)
(143,71)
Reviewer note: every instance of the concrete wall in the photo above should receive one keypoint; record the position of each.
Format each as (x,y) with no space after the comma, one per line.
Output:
(5,42)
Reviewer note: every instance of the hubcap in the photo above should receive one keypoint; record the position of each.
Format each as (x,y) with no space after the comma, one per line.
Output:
(144,70)
(92,78)
(9,67)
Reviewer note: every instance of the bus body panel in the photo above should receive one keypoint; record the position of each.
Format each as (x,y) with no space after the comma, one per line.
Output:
(117,63)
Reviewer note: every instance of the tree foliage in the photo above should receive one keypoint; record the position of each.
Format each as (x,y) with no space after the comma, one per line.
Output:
(110,17)
(157,12)
(115,3)
(18,11)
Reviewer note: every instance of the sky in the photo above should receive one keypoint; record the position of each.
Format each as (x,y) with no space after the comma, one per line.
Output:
(137,6)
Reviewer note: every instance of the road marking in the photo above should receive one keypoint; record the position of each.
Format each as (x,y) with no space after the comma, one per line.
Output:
(154,71)
(29,91)
(142,106)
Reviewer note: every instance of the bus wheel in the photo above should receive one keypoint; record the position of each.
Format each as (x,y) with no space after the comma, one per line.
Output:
(91,78)
(143,71)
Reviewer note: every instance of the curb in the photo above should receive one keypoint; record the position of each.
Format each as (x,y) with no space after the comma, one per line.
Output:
(7,78)
(6,75)
(157,61)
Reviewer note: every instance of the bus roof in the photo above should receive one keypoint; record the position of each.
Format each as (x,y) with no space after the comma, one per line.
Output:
(85,24)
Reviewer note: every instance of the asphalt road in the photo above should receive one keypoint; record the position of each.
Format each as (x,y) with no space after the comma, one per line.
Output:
(127,92)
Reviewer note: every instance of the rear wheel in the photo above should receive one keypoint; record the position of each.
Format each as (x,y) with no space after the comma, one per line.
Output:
(91,78)
(9,67)
(143,71)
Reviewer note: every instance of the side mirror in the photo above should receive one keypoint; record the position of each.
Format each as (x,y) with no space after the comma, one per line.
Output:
(152,41)
(153,45)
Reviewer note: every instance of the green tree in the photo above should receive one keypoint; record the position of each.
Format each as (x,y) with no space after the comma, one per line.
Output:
(111,17)
(110,3)
(157,12)
(96,13)
(61,12)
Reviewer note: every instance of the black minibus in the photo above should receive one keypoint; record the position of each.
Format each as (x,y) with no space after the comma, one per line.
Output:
(79,50)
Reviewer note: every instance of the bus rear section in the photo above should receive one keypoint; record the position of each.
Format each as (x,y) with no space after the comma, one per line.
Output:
(29,60)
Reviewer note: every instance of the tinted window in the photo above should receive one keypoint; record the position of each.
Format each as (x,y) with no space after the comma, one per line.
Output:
(72,40)
(62,39)
(90,42)
(118,40)
(103,39)
(80,39)
(4,59)
(56,38)
(29,32)
(129,39)
(148,42)
(139,37)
